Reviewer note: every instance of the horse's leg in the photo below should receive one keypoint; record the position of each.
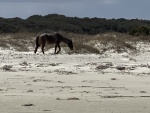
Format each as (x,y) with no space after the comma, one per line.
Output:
(55,49)
(43,48)
(43,45)
(43,42)
(36,49)
(37,44)
(59,49)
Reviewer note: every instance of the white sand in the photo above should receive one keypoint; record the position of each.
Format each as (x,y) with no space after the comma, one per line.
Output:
(64,83)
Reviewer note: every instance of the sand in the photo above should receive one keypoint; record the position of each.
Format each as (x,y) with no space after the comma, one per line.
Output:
(76,83)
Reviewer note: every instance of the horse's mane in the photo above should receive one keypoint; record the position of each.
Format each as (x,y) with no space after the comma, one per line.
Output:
(65,40)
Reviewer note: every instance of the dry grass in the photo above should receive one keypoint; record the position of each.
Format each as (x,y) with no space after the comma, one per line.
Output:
(17,41)
(102,42)
(97,44)
(7,68)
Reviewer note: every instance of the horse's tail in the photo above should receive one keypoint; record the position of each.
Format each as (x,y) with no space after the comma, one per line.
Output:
(36,44)
(37,41)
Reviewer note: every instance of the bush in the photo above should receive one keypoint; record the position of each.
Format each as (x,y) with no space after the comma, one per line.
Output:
(142,30)
(7,68)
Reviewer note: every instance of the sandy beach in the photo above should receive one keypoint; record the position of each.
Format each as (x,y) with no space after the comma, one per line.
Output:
(76,83)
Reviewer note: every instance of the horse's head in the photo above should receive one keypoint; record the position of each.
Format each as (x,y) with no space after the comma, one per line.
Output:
(70,44)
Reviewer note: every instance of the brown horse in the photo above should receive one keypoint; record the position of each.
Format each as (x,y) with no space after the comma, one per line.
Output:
(55,38)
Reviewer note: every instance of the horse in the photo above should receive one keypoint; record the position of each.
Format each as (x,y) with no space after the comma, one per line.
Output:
(54,38)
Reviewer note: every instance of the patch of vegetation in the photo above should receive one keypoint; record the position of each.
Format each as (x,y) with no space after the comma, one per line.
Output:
(24,63)
(64,72)
(7,68)
(140,30)
(104,66)
(27,105)
(17,41)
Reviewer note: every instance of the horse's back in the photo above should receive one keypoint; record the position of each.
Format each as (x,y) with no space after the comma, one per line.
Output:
(49,38)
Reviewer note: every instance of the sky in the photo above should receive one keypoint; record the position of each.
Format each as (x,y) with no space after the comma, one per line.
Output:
(128,9)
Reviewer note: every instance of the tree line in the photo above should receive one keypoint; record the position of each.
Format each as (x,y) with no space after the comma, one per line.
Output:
(56,22)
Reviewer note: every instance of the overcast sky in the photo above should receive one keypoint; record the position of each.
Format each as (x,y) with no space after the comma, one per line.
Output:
(129,9)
